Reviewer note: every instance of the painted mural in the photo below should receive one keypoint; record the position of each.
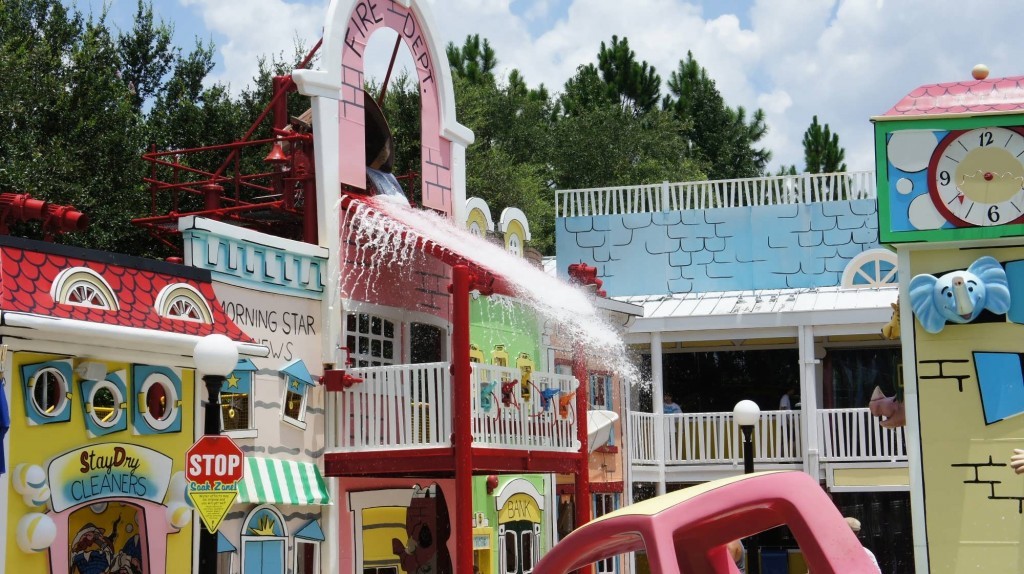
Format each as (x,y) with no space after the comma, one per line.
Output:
(724,249)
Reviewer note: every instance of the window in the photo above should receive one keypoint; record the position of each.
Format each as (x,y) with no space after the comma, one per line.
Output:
(297,383)
(236,401)
(426,343)
(295,400)
(158,408)
(372,340)
(306,557)
(224,562)
(601,391)
(871,268)
(47,391)
(184,302)
(105,404)
(83,287)
(603,504)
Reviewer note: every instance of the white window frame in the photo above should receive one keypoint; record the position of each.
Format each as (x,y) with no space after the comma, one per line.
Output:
(297,422)
(62,395)
(67,280)
(182,292)
(119,401)
(316,554)
(172,401)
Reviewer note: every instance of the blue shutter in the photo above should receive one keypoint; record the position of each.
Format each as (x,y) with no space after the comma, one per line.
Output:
(62,410)
(143,379)
(121,418)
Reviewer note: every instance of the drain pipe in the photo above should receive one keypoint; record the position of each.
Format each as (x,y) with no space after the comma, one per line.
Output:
(462,438)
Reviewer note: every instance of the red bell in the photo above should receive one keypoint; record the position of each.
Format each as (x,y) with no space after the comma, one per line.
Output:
(276,155)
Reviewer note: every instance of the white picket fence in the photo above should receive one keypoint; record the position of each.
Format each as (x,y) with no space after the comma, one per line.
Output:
(676,196)
(845,435)
(410,407)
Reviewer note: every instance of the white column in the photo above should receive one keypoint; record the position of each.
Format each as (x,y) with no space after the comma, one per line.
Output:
(809,400)
(657,392)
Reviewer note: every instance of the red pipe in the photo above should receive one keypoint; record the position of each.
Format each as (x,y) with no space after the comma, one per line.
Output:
(583,505)
(462,439)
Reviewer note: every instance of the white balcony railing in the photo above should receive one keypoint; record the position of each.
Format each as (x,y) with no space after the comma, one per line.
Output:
(669,196)
(539,415)
(410,407)
(849,435)
(845,435)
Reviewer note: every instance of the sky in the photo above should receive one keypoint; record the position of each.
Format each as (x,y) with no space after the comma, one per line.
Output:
(844,61)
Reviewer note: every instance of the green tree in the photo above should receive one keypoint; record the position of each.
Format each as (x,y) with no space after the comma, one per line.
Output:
(637,84)
(69,131)
(822,152)
(721,138)
(146,54)
(474,61)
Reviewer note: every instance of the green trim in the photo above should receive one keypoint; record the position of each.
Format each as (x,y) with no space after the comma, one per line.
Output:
(883,129)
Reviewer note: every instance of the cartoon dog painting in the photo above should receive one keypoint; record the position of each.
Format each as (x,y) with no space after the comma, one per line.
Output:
(428,528)
(960,296)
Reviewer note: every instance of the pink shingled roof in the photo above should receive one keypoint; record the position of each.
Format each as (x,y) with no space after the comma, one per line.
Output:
(998,95)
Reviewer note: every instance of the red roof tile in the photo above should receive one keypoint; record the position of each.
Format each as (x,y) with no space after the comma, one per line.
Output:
(997,95)
(26,277)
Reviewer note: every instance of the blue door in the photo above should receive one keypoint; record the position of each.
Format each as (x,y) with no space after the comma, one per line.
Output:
(264,557)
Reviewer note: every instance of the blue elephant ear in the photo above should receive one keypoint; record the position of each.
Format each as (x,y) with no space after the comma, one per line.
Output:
(922,301)
(997,289)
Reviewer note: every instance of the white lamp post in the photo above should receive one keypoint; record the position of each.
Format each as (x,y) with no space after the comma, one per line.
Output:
(746,413)
(215,356)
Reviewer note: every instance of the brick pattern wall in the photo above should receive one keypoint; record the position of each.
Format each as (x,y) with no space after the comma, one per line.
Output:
(727,249)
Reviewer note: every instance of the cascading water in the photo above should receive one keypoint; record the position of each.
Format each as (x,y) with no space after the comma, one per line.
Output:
(387,233)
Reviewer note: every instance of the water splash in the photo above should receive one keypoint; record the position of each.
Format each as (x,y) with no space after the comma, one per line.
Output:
(386,233)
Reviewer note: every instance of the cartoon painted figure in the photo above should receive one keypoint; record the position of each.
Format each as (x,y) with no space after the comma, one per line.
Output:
(960,296)
(428,528)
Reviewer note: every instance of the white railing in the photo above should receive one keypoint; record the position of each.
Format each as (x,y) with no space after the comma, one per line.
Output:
(410,406)
(850,435)
(845,435)
(668,196)
(538,414)
(407,406)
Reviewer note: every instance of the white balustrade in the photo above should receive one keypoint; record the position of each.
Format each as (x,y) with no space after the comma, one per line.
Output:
(846,435)
(410,406)
(675,196)
(538,414)
(849,435)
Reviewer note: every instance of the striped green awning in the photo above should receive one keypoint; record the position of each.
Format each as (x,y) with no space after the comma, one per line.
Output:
(276,481)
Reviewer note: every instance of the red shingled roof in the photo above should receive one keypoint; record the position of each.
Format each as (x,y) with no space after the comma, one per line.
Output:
(27,275)
(998,95)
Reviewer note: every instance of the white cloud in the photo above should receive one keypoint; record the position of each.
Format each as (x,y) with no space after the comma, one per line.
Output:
(843,61)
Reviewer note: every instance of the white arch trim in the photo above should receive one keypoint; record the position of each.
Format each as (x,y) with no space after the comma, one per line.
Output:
(478,203)
(866,265)
(510,214)
(326,81)
(518,486)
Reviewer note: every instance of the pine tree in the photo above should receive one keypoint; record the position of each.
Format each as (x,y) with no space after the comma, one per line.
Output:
(822,152)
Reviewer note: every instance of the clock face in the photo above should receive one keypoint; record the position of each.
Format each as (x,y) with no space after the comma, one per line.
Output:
(976,177)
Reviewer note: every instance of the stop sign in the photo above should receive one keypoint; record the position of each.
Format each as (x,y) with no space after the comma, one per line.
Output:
(214,459)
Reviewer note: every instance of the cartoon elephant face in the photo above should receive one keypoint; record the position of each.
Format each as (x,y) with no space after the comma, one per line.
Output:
(960,296)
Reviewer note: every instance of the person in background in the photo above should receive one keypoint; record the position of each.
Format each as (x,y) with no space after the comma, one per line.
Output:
(786,402)
(855,527)
(670,407)
(736,553)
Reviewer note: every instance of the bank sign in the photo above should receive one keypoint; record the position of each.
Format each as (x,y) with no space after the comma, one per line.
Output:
(108,470)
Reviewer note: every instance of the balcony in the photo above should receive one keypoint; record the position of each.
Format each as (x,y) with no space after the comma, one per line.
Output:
(409,407)
(675,196)
(703,439)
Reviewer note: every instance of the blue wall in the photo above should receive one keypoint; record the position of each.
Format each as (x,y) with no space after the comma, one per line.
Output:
(728,249)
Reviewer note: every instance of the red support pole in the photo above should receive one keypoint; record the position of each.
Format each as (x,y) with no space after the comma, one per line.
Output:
(462,437)
(579,370)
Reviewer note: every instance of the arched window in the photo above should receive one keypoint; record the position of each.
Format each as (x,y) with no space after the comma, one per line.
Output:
(871,268)
(83,287)
(184,302)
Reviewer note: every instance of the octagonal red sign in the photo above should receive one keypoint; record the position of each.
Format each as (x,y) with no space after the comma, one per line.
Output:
(214,459)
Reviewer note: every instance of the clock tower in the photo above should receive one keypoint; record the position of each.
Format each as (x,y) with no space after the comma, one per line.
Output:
(950,173)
